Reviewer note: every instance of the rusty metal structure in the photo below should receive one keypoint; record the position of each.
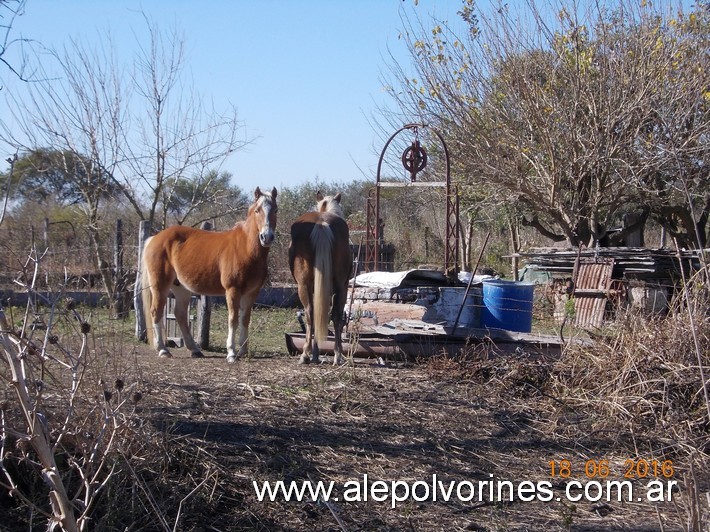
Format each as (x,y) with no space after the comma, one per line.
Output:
(414,159)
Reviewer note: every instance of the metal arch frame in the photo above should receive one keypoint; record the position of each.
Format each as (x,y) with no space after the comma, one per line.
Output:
(374,236)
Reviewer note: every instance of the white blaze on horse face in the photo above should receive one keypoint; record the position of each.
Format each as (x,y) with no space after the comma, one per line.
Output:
(266,235)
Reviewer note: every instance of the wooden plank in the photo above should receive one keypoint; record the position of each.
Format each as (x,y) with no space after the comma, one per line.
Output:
(636,262)
(367,315)
(402,184)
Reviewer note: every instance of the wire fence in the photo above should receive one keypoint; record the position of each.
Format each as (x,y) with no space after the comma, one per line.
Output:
(64,255)
(59,255)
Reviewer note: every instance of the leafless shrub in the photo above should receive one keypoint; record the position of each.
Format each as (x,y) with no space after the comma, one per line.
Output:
(62,422)
(75,449)
(645,382)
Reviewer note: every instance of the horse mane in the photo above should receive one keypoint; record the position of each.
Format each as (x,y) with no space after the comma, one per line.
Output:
(332,205)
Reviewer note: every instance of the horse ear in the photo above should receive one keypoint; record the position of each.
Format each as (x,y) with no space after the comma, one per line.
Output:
(337,197)
(274,192)
(319,195)
(257,193)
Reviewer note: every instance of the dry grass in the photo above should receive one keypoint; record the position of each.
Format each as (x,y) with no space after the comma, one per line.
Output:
(201,431)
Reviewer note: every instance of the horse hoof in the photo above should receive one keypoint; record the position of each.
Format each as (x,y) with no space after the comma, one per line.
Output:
(197,354)
(338,360)
(231,359)
(305,359)
(165,354)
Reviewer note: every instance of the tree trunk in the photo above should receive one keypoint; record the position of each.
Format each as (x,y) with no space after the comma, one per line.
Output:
(514,232)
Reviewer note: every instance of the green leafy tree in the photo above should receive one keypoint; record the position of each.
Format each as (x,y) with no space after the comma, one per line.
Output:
(65,178)
(199,199)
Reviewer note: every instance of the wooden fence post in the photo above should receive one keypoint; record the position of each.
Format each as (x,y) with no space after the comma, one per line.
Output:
(118,249)
(204,310)
(121,294)
(46,233)
(143,234)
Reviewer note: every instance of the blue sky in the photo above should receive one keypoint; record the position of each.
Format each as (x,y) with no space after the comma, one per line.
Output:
(304,75)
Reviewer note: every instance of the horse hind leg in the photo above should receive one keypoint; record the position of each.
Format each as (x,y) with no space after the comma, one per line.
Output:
(304,294)
(182,305)
(337,316)
(313,342)
(157,310)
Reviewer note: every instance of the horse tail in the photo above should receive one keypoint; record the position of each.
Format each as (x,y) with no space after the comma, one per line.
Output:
(322,241)
(146,296)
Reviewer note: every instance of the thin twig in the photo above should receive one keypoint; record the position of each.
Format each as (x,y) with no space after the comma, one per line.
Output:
(330,507)
(694,332)
(186,497)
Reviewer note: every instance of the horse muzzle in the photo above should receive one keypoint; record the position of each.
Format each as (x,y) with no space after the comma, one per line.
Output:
(266,239)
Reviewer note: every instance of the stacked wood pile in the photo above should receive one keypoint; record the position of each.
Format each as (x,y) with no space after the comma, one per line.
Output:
(629,263)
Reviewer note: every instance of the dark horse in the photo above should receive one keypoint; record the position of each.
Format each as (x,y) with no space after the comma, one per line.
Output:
(187,261)
(321,261)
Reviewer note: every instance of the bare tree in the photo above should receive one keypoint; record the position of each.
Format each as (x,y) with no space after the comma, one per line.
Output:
(9,11)
(183,141)
(204,198)
(81,117)
(137,132)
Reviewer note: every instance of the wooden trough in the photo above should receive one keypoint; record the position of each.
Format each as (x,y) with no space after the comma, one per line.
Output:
(414,339)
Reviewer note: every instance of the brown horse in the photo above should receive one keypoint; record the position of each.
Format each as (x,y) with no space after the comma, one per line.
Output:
(321,261)
(190,261)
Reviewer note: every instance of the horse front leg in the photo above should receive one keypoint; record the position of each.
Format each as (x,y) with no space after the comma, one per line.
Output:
(245,306)
(233,312)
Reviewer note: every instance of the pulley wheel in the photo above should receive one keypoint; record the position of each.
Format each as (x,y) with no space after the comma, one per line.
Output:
(414,158)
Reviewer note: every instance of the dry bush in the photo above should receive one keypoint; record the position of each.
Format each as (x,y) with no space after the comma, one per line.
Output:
(646,382)
(637,391)
(65,415)
(644,376)
(75,450)
(520,376)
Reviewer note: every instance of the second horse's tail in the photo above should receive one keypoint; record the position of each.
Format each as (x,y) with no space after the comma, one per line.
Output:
(322,240)
(146,297)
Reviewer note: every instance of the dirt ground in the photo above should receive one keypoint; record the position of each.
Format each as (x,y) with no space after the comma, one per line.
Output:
(194,435)
(268,419)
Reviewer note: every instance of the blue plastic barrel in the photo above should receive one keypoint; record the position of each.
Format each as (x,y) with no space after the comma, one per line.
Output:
(507,305)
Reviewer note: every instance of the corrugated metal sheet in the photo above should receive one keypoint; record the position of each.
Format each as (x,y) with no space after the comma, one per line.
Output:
(591,291)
